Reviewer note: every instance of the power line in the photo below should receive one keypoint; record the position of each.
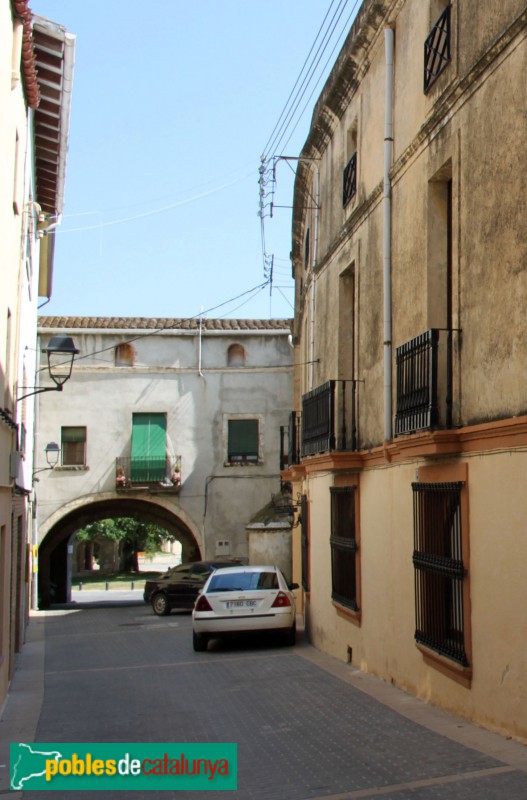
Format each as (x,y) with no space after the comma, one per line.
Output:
(267,146)
(253,291)
(156,210)
(337,43)
(326,39)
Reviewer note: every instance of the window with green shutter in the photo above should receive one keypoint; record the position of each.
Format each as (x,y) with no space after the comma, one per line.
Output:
(148,463)
(242,446)
(73,446)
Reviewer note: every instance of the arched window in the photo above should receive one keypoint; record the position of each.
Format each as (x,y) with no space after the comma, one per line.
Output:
(124,355)
(236,356)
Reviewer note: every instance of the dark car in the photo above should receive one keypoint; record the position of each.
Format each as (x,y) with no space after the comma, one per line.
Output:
(179,587)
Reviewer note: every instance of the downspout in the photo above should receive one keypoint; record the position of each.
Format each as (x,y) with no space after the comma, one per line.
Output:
(200,373)
(387,235)
(314,264)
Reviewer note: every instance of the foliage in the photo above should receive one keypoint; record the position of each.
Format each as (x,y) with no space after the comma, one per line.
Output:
(131,533)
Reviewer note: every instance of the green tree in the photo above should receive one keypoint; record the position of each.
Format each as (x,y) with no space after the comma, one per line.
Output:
(132,535)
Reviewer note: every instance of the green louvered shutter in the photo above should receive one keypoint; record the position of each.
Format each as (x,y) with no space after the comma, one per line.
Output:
(243,441)
(148,448)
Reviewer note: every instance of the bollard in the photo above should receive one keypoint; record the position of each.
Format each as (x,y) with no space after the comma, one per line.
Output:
(80,586)
(107,585)
(133,585)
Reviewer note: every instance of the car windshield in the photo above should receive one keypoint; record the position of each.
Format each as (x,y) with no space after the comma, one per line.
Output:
(243,581)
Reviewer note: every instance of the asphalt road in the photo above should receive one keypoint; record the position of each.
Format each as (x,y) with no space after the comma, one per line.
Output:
(307,726)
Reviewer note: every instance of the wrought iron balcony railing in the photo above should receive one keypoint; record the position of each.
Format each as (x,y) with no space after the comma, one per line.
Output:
(329,418)
(437,49)
(290,441)
(349,180)
(424,382)
(153,472)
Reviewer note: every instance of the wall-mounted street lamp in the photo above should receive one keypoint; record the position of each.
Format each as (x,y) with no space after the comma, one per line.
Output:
(61,351)
(52,452)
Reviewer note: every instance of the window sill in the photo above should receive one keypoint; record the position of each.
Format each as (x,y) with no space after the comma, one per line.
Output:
(458,673)
(72,468)
(348,613)
(243,463)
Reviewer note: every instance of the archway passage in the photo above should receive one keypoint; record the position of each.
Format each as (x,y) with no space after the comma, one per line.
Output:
(53,558)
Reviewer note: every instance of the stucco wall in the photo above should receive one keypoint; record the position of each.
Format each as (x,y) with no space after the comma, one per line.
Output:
(383,643)
(216,499)
(458,258)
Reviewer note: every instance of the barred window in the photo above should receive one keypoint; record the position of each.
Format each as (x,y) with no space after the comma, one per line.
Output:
(440,572)
(349,180)
(437,49)
(304,522)
(343,547)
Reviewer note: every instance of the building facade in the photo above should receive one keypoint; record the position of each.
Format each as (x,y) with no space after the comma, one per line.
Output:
(36,70)
(171,421)
(408,439)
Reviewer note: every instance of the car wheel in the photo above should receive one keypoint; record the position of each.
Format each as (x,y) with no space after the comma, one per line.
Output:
(199,641)
(290,636)
(160,605)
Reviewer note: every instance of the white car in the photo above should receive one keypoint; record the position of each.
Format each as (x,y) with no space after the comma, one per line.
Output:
(242,600)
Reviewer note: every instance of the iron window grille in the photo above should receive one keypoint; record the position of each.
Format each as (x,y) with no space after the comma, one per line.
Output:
(343,547)
(290,441)
(329,418)
(349,182)
(304,522)
(439,569)
(164,472)
(416,371)
(437,49)
(318,428)
(294,437)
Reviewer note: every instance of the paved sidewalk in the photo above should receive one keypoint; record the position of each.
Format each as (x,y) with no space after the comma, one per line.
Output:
(308,727)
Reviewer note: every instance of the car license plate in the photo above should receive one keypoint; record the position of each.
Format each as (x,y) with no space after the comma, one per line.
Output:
(241,603)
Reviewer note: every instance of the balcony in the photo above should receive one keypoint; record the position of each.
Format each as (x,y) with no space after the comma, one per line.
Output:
(148,473)
(290,441)
(329,418)
(424,382)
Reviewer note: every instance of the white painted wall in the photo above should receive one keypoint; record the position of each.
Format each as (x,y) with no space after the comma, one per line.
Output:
(216,500)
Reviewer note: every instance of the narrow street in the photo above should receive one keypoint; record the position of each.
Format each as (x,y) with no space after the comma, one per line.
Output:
(306,725)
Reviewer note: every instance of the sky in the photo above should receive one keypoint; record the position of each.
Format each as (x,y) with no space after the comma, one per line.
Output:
(173,106)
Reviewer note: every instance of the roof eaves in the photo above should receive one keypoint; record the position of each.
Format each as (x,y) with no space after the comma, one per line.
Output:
(22,12)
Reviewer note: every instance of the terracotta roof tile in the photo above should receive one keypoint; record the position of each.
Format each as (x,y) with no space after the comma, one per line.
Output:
(29,69)
(163,323)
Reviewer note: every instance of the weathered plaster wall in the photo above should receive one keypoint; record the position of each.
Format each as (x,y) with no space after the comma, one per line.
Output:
(384,642)
(216,499)
(468,130)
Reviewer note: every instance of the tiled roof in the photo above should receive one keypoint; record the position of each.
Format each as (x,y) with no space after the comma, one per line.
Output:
(29,65)
(164,323)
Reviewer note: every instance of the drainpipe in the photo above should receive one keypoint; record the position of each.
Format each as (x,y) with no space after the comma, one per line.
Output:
(200,373)
(387,235)
(315,250)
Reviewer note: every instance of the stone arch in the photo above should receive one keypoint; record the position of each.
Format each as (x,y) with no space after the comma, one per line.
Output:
(56,532)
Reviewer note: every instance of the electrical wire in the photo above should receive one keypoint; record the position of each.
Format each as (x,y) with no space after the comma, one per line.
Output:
(270,140)
(280,135)
(255,289)
(337,43)
(156,210)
